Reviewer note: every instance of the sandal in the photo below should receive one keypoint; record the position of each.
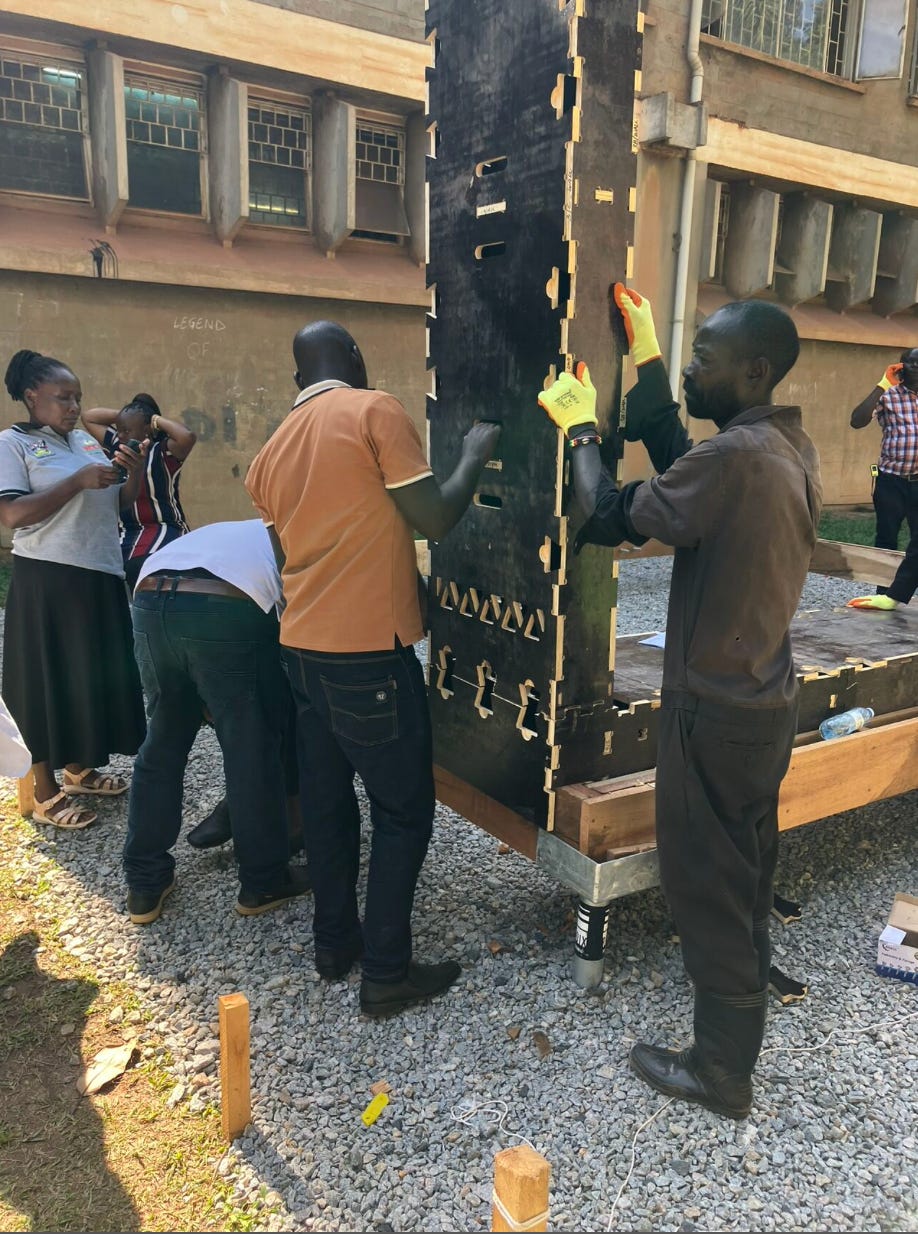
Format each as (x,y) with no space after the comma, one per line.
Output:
(70,818)
(101,786)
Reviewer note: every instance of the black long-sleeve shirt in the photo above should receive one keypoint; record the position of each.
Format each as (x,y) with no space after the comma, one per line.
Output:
(741,510)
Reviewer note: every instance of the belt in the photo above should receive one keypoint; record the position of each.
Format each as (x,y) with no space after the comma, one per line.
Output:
(910,476)
(170,583)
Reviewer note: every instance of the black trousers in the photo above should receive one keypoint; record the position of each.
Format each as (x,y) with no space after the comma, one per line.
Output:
(895,500)
(719,768)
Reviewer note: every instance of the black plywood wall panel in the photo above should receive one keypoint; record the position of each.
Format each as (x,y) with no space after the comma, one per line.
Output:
(531,198)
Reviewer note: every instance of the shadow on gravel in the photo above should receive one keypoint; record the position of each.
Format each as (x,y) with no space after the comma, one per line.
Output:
(53,1167)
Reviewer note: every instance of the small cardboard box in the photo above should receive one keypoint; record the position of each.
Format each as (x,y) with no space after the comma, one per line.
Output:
(897,950)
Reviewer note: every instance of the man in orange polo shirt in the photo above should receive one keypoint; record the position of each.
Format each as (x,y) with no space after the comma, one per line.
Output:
(340,485)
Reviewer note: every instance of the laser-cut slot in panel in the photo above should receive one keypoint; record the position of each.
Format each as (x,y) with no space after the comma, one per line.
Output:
(492,166)
(487,252)
(484,696)
(528,720)
(446,663)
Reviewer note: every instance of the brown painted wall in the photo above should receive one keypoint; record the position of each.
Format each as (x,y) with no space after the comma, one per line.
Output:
(827,381)
(402,18)
(219,361)
(767,96)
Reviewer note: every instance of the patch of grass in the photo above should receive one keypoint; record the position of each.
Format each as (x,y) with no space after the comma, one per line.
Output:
(853,527)
(121,1159)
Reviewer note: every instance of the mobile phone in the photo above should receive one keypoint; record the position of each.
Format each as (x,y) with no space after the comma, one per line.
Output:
(122,472)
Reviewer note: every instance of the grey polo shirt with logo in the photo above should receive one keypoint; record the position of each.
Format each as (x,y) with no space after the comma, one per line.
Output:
(84,532)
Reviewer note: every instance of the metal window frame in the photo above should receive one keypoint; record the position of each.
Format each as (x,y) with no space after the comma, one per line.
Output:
(392,123)
(301,104)
(913,70)
(720,10)
(63,57)
(177,82)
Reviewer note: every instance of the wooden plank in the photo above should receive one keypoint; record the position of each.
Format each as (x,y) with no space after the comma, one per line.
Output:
(521,1178)
(858,562)
(274,38)
(761,153)
(855,561)
(825,778)
(26,789)
(485,812)
(235,1081)
(849,772)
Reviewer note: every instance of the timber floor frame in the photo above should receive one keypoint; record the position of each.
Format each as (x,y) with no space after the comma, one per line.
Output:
(608,824)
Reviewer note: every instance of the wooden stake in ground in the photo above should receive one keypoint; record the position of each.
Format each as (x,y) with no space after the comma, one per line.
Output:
(521,1178)
(235,1088)
(27,795)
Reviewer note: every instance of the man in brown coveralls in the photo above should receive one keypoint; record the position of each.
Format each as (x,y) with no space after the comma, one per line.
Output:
(741,511)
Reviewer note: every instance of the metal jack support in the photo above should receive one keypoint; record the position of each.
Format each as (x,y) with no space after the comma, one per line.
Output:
(597,883)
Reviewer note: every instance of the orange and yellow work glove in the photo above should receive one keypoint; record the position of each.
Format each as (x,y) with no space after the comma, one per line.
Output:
(891,377)
(571,400)
(639,327)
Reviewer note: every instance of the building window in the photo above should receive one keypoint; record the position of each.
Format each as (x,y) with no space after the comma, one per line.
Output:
(165,141)
(913,75)
(380,181)
(42,145)
(721,232)
(280,137)
(811,33)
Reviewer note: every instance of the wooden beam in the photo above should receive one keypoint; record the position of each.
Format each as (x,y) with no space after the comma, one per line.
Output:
(26,791)
(485,812)
(521,1178)
(269,37)
(741,148)
(235,1081)
(825,778)
(855,561)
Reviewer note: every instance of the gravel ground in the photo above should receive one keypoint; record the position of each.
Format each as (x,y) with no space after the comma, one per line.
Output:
(831,1143)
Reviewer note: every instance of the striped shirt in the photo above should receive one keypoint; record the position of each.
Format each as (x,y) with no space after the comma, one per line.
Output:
(897,415)
(156,517)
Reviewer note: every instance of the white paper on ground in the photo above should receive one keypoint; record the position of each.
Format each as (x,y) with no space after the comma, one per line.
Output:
(655,640)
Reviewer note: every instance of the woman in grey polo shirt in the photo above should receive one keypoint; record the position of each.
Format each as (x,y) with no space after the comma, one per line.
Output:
(69,676)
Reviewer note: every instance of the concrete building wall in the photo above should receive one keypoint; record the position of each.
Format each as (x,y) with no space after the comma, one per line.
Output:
(218,361)
(402,18)
(872,117)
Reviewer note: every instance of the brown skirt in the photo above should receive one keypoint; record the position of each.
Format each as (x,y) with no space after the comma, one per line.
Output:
(69,676)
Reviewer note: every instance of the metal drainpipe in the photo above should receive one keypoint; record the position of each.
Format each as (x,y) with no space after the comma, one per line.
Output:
(687,208)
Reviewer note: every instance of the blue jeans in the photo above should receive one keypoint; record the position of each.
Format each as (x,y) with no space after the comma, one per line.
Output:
(219,653)
(364,713)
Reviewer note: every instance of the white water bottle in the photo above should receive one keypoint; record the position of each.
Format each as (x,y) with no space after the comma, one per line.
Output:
(846,722)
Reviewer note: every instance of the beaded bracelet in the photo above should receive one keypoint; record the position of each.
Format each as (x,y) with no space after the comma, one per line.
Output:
(585,439)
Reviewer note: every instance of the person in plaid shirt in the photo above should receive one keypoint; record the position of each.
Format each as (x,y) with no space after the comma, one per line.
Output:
(893,403)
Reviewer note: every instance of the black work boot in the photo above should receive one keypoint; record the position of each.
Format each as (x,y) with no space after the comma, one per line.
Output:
(716,1071)
(213,830)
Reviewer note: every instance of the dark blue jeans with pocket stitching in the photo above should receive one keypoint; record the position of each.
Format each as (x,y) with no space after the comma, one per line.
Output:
(197,651)
(364,713)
